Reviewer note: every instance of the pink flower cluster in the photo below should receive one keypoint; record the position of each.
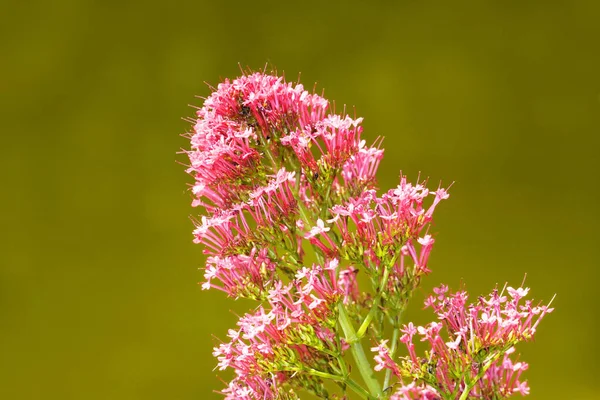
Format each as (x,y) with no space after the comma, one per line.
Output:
(383,233)
(240,275)
(289,340)
(269,164)
(267,159)
(279,178)
(474,357)
(229,228)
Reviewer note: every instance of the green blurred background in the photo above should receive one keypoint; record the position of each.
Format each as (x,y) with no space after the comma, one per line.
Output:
(98,275)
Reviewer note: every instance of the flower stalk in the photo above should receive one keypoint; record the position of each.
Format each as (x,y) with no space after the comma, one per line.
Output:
(358,353)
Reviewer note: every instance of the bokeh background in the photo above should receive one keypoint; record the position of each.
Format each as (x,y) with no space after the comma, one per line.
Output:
(98,275)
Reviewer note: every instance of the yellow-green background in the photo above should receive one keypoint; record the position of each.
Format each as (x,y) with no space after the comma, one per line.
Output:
(98,275)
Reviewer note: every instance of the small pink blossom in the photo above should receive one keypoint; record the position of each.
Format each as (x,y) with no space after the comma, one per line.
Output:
(383,359)
(317,230)
(413,391)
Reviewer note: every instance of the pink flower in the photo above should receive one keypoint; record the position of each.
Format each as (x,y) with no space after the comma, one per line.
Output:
(441,292)
(348,285)
(383,359)
(454,345)
(518,293)
(317,230)
(413,391)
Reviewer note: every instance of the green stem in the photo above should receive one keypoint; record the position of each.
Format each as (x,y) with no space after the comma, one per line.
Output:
(358,353)
(359,390)
(345,380)
(367,322)
(388,373)
(468,387)
(375,307)
(303,213)
(267,151)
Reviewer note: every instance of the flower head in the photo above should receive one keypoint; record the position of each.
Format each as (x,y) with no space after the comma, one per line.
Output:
(278,175)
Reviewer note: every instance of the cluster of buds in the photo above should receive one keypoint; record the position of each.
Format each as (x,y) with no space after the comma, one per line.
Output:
(283,182)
